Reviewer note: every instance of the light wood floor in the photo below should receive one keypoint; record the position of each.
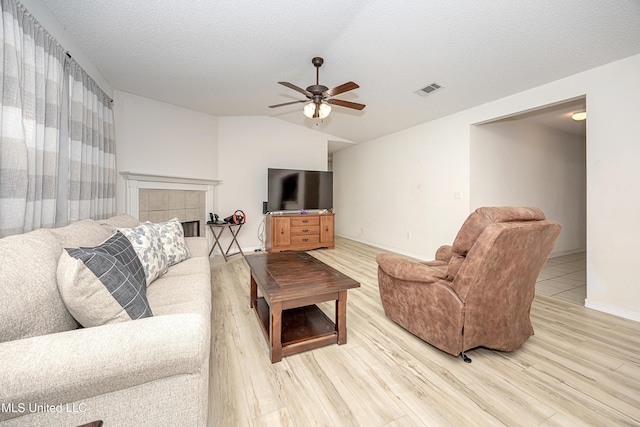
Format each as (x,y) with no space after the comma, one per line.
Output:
(581,367)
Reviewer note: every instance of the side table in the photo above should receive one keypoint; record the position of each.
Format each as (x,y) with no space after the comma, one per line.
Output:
(217,230)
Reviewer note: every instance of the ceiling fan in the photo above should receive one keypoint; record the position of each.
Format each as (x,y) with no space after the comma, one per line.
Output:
(320,97)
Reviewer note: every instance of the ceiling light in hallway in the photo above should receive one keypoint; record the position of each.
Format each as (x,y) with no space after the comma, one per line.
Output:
(579,116)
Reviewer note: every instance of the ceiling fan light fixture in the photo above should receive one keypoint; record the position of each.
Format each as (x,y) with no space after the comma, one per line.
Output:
(325,110)
(309,109)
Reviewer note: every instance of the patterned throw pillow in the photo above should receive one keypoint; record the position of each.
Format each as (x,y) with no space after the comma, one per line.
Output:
(172,238)
(145,239)
(103,284)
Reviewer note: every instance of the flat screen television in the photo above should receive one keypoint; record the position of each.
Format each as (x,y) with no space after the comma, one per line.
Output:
(295,190)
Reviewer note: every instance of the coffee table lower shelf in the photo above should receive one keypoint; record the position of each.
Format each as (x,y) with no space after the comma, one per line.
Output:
(303,328)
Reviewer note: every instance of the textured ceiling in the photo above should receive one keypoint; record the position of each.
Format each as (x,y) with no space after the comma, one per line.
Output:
(226,57)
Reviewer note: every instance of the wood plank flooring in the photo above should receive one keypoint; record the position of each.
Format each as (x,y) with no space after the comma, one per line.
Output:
(581,368)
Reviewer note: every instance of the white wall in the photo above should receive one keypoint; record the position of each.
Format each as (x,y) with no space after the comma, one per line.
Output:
(428,162)
(248,146)
(524,164)
(397,192)
(157,138)
(613,185)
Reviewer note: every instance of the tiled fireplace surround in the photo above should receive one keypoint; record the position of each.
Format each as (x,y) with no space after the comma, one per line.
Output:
(158,198)
(158,205)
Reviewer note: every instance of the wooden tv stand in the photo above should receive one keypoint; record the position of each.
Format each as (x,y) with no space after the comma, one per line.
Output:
(299,232)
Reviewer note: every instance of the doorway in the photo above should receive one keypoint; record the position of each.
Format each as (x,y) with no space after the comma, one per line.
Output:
(538,158)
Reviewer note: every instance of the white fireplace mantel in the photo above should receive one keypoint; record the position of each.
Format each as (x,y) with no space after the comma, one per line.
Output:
(149,178)
(134,181)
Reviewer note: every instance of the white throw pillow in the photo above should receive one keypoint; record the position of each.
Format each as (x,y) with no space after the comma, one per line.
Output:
(172,238)
(146,241)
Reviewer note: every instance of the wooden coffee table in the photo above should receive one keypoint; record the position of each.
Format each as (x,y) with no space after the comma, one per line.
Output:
(291,283)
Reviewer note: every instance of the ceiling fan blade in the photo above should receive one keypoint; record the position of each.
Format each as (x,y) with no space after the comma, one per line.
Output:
(347,104)
(288,103)
(299,89)
(345,87)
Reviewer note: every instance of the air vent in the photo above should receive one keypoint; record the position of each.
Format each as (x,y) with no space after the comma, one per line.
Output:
(429,89)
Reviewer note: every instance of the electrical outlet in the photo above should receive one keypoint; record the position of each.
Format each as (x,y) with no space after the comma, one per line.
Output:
(409,235)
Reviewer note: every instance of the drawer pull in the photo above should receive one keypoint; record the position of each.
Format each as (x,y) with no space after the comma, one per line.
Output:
(326,228)
(305,220)
(305,240)
(282,231)
(306,230)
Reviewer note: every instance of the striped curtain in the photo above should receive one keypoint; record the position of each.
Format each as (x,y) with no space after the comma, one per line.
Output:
(92,157)
(31,90)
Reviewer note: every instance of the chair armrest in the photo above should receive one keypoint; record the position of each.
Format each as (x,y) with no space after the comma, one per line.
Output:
(406,269)
(444,253)
(75,365)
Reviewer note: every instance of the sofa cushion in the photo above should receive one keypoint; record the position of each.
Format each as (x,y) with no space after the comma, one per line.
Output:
(181,294)
(29,298)
(148,245)
(189,266)
(122,221)
(103,284)
(197,246)
(172,239)
(85,232)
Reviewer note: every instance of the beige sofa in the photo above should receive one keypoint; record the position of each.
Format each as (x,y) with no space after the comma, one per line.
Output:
(152,371)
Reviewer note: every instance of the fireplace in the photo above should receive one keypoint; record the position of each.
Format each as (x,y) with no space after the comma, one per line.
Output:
(158,205)
(191,228)
(158,198)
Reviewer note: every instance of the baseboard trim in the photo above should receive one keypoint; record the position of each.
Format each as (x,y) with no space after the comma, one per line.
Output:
(422,258)
(386,248)
(245,251)
(611,309)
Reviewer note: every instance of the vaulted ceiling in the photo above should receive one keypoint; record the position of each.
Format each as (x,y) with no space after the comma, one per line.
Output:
(226,57)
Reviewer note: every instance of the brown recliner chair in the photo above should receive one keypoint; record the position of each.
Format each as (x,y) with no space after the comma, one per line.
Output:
(478,292)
